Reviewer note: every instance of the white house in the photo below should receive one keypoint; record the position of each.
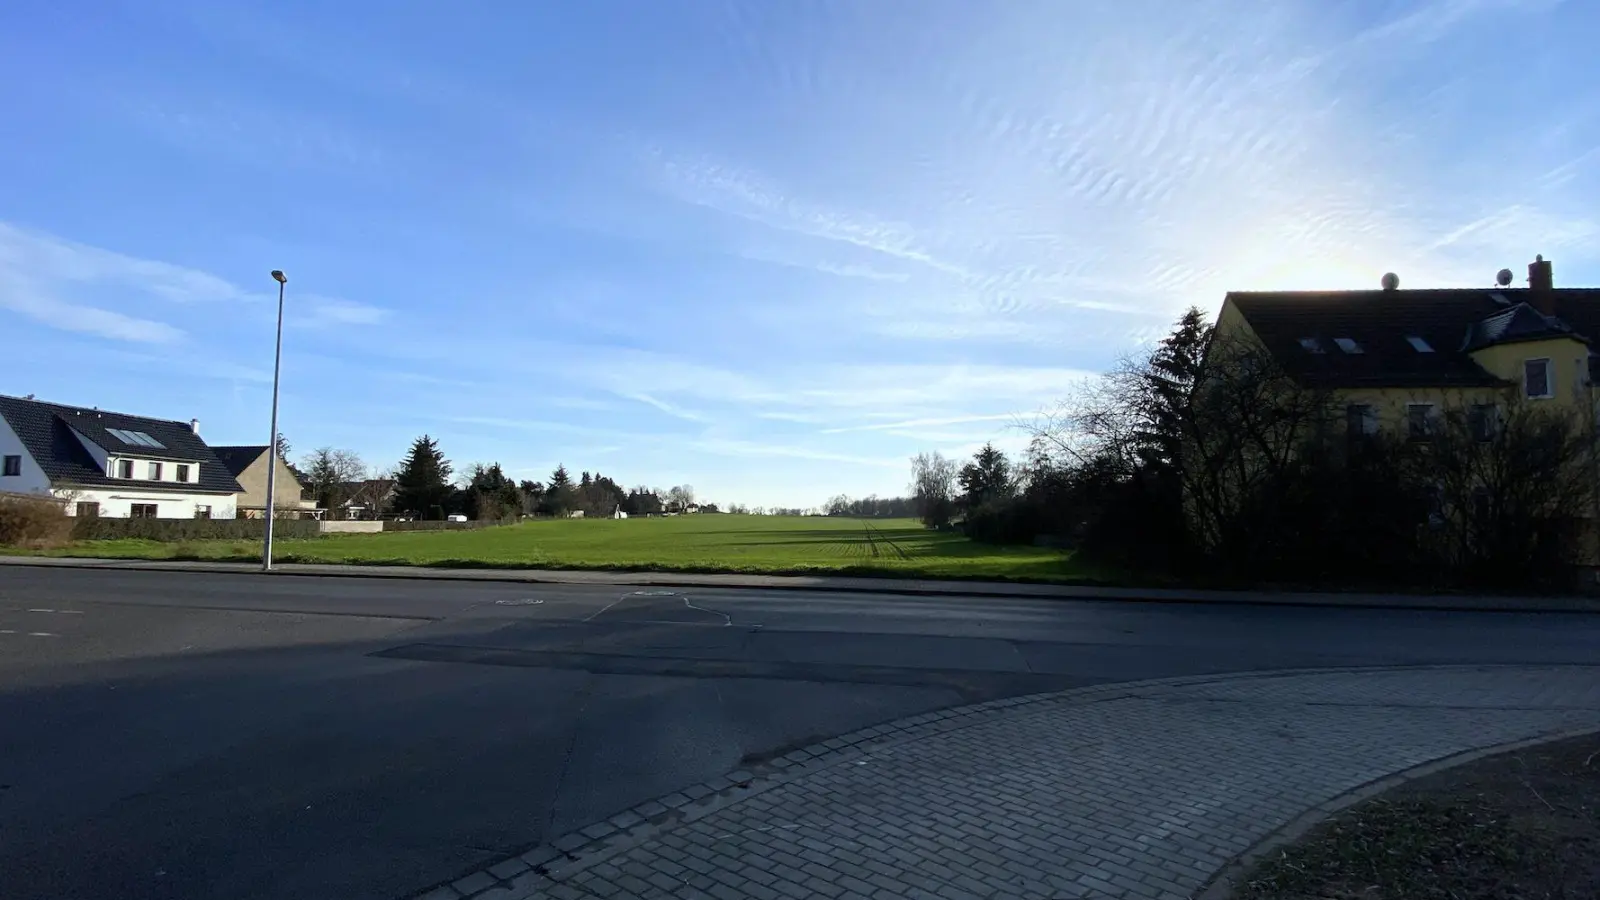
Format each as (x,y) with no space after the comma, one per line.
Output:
(109,464)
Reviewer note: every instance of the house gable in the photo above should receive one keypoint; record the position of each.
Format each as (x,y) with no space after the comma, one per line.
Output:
(30,478)
(249,464)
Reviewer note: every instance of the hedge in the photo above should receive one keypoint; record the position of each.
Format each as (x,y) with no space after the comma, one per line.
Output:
(107,529)
(441,525)
(32,521)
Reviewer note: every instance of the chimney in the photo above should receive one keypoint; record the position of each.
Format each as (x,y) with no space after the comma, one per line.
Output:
(194,425)
(1541,286)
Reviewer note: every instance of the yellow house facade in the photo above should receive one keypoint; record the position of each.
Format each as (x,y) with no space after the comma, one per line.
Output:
(1398,360)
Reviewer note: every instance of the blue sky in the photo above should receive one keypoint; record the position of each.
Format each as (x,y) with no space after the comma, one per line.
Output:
(767,248)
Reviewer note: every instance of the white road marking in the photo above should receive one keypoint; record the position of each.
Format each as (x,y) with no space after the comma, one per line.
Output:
(590,617)
(63,612)
(41,634)
(7,631)
(525,601)
(41,610)
(726,619)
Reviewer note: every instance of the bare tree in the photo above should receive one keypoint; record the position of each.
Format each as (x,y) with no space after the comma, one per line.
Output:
(331,475)
(372,492)
(1201,436)
(680,497)
(1507,490)
(933,487)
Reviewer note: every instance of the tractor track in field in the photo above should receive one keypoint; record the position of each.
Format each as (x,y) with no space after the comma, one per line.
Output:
(876,536)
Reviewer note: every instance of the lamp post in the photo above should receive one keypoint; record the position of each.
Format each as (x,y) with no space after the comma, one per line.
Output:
(272,444)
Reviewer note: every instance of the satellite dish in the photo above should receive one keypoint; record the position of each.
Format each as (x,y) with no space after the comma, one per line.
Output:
(1503,277)
(1391,281)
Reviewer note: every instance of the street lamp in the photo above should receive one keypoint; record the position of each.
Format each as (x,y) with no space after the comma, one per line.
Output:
(272,444)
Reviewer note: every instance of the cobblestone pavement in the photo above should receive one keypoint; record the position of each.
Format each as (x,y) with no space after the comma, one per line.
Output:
(1141,790)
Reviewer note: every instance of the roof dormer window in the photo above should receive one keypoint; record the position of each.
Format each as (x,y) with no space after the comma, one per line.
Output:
(1418,344)
(1312,345)
(1349,345)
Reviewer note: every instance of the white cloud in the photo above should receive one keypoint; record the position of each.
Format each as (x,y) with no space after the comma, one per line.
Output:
(670,409)
(745,448)
(40,306)
(1163,165)
(316,311)
(44,278)
(47,259)
(910,424)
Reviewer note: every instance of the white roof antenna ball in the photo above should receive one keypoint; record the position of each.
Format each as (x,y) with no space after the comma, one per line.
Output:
(1391,281)
(1503,277)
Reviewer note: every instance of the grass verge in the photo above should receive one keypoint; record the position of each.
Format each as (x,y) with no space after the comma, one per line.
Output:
(693,544)
(1524,824)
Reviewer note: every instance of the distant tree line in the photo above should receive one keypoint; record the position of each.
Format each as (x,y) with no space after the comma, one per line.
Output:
(1204,458)
(873,507)
(425,485)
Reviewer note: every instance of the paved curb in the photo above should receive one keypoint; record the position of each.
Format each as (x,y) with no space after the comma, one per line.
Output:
(548,864)
(1223,884)
(845,584)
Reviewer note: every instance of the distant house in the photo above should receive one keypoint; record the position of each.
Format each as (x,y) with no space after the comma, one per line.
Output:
(575,514)
(368,498)
(248,464)
(110,464)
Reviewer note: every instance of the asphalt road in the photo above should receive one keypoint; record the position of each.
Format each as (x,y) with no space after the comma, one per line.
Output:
(176,735)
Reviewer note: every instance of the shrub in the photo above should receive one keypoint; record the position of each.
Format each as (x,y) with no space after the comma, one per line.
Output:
(33,522)
(105,529)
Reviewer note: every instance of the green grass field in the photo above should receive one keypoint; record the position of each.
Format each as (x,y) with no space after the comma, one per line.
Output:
(714,543)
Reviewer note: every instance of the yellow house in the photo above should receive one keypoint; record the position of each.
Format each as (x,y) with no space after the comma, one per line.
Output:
(1396,360)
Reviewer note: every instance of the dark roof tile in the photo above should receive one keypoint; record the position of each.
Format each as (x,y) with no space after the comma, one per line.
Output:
(237,458)
(1451,321)
(46,430)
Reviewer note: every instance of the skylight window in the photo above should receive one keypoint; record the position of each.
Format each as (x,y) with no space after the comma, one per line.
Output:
(1418,344)
(1312,345)
(1348,345)
(135,438)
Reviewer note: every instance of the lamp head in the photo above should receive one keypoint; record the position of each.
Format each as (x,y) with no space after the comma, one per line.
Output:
(278,277)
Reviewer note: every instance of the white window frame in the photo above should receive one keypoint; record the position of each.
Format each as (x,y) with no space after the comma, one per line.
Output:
(182,471)
(153,470)
(11,467)
(124,465)
(1549,379)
